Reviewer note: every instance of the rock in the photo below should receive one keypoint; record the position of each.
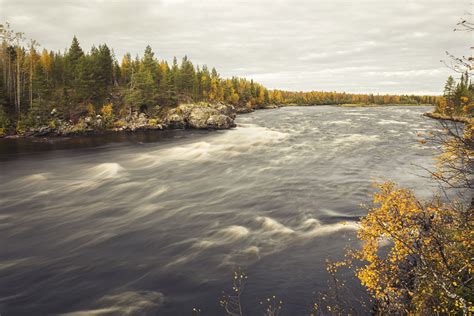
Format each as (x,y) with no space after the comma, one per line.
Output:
(270,107)
(28,134)
(225,109)
(175,120)
(201,116)
(186,109)
(220,121)
(43,131)
(244,109)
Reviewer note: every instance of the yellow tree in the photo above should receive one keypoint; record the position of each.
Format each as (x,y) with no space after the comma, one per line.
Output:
(417,257)
(32,60)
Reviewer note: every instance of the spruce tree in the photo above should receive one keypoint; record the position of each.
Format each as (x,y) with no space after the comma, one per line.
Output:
(72,59)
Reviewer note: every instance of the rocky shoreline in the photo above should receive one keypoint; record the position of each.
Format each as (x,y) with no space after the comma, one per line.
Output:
(214,116)
(438,116)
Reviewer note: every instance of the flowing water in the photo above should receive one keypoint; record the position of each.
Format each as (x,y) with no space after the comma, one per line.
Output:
(155,223)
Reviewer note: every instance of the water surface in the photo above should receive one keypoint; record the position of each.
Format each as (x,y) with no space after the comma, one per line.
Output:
(155,222)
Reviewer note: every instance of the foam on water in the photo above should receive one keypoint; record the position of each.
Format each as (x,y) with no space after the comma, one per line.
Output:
(242,140)
(273,226)
(340,122)
(351,139)
(232,233)
(391,122)
(126,303)
(106,170)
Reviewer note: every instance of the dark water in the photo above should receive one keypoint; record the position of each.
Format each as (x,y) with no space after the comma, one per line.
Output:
(155,223)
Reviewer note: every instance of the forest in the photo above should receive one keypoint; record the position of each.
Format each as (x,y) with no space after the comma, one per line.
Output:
(76,83)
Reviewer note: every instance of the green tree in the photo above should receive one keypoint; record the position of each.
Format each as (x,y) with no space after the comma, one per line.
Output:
(186,76)
(73,57)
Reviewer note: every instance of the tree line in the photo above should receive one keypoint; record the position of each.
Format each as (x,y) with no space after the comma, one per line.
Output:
(76,82)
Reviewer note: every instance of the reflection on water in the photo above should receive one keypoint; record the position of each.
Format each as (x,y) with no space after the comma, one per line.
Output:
(155,222)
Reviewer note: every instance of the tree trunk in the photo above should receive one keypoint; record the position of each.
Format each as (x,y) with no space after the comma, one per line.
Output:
(31,81)
(18,85)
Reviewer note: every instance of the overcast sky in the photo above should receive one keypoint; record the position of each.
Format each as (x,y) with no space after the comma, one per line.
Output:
(379,46)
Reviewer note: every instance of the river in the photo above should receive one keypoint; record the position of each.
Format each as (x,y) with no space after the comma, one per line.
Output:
(156,222)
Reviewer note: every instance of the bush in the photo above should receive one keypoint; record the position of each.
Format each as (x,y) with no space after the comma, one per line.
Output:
(119,124)
(52,124)
(90,110)
(107,112)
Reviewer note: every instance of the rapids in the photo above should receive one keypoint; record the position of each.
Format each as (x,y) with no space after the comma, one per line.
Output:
(156,222)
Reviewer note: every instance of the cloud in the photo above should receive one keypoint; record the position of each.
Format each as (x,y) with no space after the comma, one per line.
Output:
(296,45)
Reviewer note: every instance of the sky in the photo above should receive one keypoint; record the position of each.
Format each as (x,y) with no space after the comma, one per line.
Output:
(369,46)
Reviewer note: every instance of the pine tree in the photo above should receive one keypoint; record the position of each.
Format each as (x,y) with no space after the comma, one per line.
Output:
(175,76)
(186,76)
(73,56)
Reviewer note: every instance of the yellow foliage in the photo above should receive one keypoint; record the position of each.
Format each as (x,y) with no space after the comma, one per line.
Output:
(107,110)
(118,124)
(416,252)
(52,124)
(418,256)
(90,109)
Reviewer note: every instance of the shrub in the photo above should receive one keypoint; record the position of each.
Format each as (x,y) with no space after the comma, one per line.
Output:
(52,124)
(119,124)
(90,110)
(107,110)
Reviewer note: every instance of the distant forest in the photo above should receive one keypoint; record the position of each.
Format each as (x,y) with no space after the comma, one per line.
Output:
(76,82)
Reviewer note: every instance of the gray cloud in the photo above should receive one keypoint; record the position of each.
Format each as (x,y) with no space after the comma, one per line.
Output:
(379,46)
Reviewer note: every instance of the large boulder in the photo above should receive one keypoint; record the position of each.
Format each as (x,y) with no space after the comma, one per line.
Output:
(225,109)
(201,116)
(220,121)
(175,119)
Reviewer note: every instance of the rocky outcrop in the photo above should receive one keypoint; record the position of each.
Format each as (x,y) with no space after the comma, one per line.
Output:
(244,109)
(270,107)
(202,116)
(198,116)
(460,119)
(138,122)
(220,121)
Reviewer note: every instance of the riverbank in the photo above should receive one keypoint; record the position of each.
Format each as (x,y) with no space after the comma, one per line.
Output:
(201,115)
(438,116)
